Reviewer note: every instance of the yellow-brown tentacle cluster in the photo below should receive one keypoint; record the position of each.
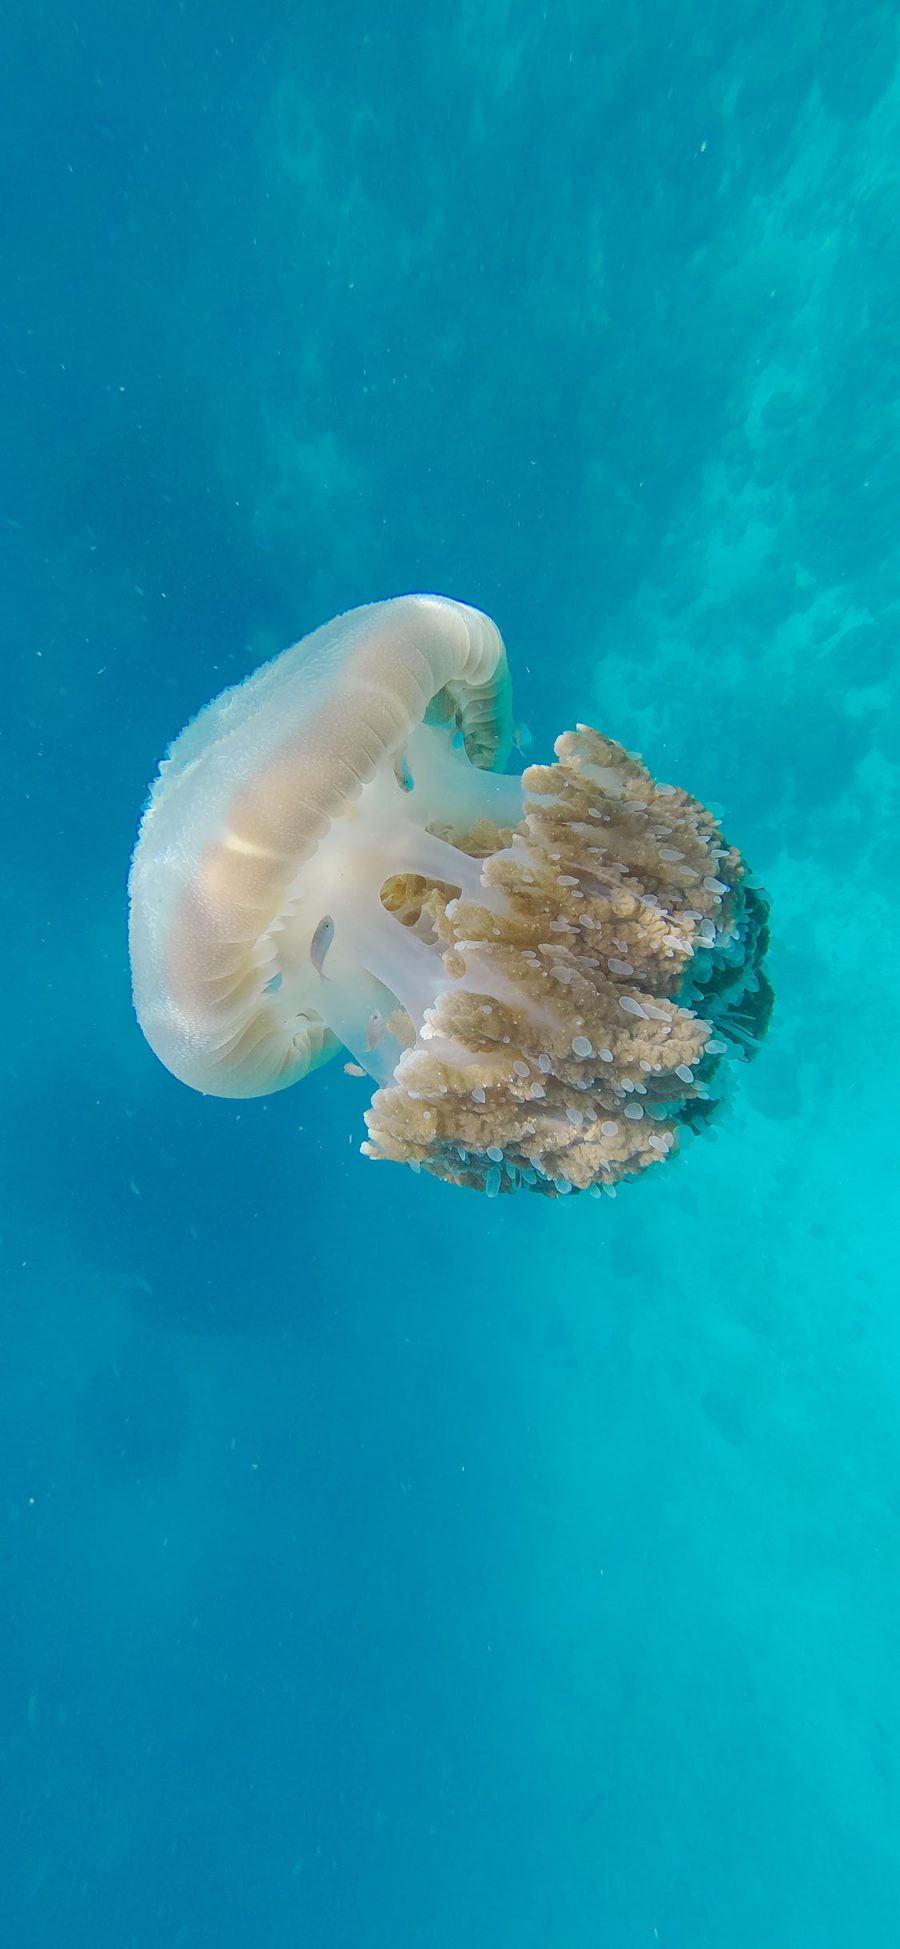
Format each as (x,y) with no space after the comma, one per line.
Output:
(582,1019)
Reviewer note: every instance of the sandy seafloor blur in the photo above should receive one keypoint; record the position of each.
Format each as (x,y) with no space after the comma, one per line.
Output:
(384,1569)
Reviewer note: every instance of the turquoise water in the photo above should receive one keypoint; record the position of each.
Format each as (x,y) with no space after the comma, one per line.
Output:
(383,1568)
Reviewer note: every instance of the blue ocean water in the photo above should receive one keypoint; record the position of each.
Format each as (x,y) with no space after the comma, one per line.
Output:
(383,1568)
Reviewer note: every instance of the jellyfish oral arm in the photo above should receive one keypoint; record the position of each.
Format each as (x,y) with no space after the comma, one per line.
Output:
(374,963)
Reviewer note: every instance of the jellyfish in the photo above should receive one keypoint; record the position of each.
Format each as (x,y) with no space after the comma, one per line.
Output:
(546,975)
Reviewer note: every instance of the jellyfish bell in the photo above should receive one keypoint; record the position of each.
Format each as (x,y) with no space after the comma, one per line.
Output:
(276,818)
(541,973)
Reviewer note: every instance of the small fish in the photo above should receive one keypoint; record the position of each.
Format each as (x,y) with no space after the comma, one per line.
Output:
(321,942)
(353,1069)
(374,1029)
(402,772)
(522,739)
